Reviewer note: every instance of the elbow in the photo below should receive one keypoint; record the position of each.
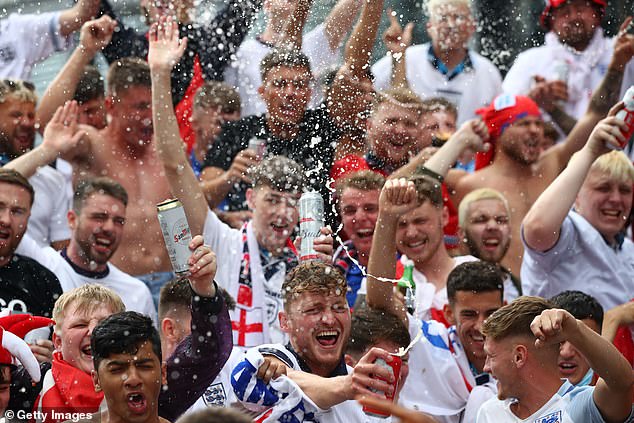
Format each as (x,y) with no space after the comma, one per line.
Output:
(538,234)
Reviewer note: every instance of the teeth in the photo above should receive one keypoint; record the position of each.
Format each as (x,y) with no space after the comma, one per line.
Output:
(365,231)
(416,244)
(477,338)
(328,333)
(104,241)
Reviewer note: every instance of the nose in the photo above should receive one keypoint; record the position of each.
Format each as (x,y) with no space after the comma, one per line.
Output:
(92,325)
(479,322)
(132,377)
(328,316)
(5,216)
(566,350)
(487,365)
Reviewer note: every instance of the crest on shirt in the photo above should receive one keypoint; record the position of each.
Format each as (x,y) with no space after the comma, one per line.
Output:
(551,418)
(215,395)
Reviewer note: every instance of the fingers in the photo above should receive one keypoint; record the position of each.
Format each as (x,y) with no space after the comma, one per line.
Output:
(270,370)
(623,27)
(393,19)
(408,34)
(196,242)
(616,108)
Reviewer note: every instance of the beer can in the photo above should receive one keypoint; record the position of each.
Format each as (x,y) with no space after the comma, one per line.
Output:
(176,233)
(627,115)
(394,367)
(311,220)
(259,146)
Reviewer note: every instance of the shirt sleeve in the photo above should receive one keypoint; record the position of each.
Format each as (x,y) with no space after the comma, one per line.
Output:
(547,260)
(583,408)
(317,47)
(382,71)
(199,358)
(38,35)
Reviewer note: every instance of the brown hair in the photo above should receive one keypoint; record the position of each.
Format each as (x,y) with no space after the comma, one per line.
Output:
(23,91)
(10,176)
(428,189)
(127,73)
(217,95)
(279,173)
(289,58)
(439,104)
(371,326)
(402,97)
(313,276)
(515,319)
(87,297)
(101,185)
(90,85)
(363,180)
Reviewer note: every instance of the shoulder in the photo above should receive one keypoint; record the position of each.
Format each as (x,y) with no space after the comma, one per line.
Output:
(32,267)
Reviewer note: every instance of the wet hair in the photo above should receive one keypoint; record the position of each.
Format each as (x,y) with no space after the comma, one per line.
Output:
(100,185)
(279,173)
(477,195)
(86,298)
(401,97)
(515,319)
(430,5)
(427,189)
(287,58)
(127,73)
(176,296)
(12,177)
(580,305)
(215,415)
(90,85)
(476,277)
(371,326)
(23,91)
(616,165)
(315,277)
(439,104)
(217,95)
(363,180)
(123,333)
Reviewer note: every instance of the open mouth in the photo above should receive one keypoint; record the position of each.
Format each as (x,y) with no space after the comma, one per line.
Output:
(416,244)
(611,213)
(490,243)
(327,338)
(365,233)
(280,228)
(567,367)
(137,403)
(5,234)
(87,351)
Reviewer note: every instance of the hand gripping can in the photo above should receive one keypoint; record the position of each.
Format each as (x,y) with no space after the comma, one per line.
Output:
(627,115)
(311,220)
(176,233)
(258,146)
(394,367)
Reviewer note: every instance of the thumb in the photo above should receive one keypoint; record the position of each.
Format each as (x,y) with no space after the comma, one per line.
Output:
(393,19)
(407,33)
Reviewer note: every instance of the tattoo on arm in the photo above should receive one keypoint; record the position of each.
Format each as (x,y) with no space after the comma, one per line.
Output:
(607,94)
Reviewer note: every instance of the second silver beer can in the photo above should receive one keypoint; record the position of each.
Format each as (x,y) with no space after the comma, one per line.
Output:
(176,233)
(311,220)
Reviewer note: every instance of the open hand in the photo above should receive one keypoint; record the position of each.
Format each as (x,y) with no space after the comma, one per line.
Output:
(61,134)
(166,48)
(396,38)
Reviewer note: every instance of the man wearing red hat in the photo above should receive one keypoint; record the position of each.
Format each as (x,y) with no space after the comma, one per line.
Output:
(562,74)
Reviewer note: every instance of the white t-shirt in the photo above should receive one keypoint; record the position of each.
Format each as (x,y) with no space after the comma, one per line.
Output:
(570,404)
(26,40)
(586,69)
(469,90)
(580,260)
(48,221)
(135,295)
(244,72)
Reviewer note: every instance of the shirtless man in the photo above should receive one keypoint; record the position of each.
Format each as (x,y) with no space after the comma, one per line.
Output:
(518,170)
(124,151)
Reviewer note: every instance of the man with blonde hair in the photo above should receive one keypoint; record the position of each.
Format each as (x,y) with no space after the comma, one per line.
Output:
(485,229)
(446,67)
(585,244)
(522,347)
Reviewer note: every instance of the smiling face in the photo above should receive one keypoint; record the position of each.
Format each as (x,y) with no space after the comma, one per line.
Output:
(605,202)
(419,233)
(522,139)
(286,92)
(131,384)
(359,210)
(73,338)
(97,231)
(450,26)
(487,230)
(17,126)
(15,209)
(501,366)
(319,328)
(392,132)
(574,22)
(275,215)
(572,364)
(467,312)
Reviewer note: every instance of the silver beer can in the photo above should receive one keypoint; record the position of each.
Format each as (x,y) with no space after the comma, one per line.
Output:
(259,146)
(311,220)
(176,233)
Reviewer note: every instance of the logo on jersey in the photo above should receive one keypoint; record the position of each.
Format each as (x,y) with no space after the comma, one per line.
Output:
(215,395)
(551,418)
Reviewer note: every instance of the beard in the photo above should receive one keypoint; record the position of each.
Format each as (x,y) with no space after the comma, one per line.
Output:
(476,250)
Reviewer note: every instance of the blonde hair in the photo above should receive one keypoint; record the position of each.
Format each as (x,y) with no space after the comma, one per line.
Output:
(616,165)
(401,97)
(23,91)
(515,319)
(430,5)
(86,298)
(477,195)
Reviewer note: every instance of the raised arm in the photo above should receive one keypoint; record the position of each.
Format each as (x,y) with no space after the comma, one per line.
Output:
(340,20)
(542,223)
(292,34)
(94,36)
(398,196)
(165,51)
(126,42)
(61,137)
(613,392)
(606,95)
(359,47)
(397,40)
(70,20)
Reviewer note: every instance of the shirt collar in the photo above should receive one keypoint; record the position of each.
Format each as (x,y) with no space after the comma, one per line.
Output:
(465,66)
(340,370)
(87,273)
